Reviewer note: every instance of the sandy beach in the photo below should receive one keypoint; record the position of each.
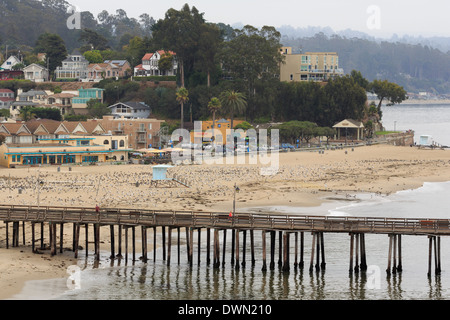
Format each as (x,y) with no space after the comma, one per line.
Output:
(303,179)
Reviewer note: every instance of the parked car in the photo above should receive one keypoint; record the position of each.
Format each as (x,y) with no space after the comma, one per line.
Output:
(287,146)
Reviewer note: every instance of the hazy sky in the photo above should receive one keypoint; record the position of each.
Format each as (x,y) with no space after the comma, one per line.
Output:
(375,17)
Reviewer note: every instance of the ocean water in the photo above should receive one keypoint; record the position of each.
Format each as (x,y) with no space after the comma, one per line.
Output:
(115,280)
(424,119)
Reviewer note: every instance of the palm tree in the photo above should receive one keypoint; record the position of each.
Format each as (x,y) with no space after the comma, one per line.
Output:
(26,113)
(233,102)
(214,105)
(182,98)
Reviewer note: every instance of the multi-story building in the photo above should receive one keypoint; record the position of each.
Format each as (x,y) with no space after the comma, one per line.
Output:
(150,65)
(108,69)
(142,133)
(74,67)
(32,98)
(6,98)
(130,110)
(309,66)
(48,142)
(79,104)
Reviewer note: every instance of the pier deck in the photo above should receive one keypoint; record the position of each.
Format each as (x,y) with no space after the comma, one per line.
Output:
(284,225)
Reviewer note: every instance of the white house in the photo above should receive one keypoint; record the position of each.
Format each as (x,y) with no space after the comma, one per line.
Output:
(74,67)
(10,62)
(130,110)
(150,65)
(36,73)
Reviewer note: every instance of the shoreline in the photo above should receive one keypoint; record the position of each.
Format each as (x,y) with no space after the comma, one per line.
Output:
(305,180)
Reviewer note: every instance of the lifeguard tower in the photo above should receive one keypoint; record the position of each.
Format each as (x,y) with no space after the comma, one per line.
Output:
(160,177)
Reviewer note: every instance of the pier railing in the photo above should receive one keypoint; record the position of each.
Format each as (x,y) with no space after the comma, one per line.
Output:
(199,219)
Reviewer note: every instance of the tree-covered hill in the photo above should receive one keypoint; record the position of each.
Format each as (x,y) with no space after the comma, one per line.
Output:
(416,67)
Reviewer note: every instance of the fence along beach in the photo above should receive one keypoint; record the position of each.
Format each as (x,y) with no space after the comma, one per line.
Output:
(304,179)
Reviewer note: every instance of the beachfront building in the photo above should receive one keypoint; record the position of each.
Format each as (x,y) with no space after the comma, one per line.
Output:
(309,66)
(150,65)
(74,67)
(141,133)
(349,130)
(59,151)
(49,142)
(220,131)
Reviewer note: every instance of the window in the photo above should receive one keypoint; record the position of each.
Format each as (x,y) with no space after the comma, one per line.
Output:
(149,126)
(122,143)
(106,142)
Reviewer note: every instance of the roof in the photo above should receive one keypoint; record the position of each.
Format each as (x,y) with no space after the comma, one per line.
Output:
(147,56)
(118,62)
(133,105)
(33,93)
(6,90)
(349,123)
(161,52)
(62,95)
(34,65)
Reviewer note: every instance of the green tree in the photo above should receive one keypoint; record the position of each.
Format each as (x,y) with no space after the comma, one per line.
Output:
(182,98)
(54,48)
(233,102)
(5,113)
(26,113)
(208,47)
(359,79)
(96,109)
(46,113)
(18,67)
(93,56)
(165,62)
(214,106)
(93,40)
(179,31)
(387,90)
(252,57)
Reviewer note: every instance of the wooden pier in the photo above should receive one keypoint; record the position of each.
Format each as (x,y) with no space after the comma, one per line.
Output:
(124,220)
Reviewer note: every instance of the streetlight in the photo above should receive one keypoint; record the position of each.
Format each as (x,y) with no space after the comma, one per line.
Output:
(236,189)
(40,184)
(395,124)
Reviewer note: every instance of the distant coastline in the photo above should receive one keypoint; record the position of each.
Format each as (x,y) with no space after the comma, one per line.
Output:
(434,101)
(417,102)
